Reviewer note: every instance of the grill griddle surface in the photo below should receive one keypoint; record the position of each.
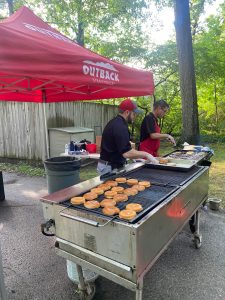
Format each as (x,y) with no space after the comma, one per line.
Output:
(163,184)
(164,177)
(149,198)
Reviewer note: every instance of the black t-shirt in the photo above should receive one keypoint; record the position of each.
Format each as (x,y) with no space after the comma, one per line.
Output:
(148,126)
(115,142)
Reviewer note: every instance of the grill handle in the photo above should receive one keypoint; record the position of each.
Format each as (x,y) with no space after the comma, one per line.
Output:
(86,221)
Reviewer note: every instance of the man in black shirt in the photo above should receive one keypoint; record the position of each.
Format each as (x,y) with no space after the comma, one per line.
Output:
(150,129)
(115,145)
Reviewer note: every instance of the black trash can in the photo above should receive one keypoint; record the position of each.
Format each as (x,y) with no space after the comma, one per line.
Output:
(2,190)
(62,172)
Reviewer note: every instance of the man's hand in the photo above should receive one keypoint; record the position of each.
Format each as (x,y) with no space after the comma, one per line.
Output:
(171,139)
(135,154)
(151,158)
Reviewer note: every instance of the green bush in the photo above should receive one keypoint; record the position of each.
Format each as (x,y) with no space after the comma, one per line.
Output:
(212,138)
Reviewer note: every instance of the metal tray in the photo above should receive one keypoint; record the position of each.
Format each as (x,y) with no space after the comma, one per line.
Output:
(187,155)
(181,165)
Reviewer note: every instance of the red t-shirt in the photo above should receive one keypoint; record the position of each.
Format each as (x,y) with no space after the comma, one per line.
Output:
(149,125)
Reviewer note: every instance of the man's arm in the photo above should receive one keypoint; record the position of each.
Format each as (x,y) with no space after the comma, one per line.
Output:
(133,154)
(162,136)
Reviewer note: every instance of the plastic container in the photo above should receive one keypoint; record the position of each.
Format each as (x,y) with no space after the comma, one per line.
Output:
(89,276)
(91,148)
(198,148)
(72,146)
(66,149)
(62,172)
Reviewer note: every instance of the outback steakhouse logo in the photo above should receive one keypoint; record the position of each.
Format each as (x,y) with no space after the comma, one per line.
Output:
(101,72)
(50,33)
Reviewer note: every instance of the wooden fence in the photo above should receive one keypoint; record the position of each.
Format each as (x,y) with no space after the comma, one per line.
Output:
(22,124)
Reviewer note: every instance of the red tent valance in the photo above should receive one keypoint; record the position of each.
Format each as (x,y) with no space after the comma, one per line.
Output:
(39,64)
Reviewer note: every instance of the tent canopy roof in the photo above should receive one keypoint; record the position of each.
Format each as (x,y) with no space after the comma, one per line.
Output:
(39,64)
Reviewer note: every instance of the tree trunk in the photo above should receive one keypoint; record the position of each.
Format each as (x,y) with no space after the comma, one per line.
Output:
(80,30)
(190,132)
(80,34)
(216,108)
(10,6)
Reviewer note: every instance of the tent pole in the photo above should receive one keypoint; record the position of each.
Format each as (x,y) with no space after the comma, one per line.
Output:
(46,141)
(46,131)
(2,284)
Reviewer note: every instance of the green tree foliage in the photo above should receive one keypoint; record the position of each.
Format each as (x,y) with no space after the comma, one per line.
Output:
(115,29)
(112,28)
(210,60)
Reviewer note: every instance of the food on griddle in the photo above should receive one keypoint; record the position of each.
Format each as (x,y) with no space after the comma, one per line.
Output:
(118,189)
(120,197)
(130,192)
(121,180)
(132,181)
(90,196)
(145,183)
(92,204)
(77,200)
(163,160)
(110,211)
(186,155)
(108,202)
(134,206)
(97,191)
(104,187)
(190,152)
(110,194)
(138,187)
(111,183)
(127,214)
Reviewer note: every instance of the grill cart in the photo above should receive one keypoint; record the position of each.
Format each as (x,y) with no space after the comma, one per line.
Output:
(124,251)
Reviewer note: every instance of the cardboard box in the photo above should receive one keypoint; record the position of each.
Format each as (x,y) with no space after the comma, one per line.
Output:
(98,141)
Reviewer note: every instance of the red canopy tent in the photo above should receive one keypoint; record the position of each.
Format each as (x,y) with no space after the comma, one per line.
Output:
(39,64)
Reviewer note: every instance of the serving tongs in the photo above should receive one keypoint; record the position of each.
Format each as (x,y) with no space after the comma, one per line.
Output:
(113,173)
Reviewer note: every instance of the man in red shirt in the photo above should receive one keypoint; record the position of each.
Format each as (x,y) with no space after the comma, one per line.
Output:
(150,130)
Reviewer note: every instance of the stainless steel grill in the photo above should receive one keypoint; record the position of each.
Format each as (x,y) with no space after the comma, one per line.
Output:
(124,251)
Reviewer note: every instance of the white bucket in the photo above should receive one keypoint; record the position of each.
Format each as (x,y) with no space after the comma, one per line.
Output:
(89,276)
(214,203)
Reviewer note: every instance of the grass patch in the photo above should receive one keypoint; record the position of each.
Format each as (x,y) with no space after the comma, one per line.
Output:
(88,172)
(216,171)
(22,168)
